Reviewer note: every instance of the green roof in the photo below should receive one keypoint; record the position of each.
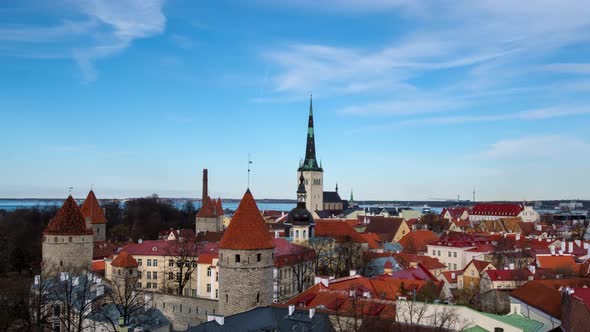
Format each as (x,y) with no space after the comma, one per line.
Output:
(475,328)
(527,325)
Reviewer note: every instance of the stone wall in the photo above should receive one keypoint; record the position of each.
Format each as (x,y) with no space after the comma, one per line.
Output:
(99,231)
(245,284)
(184,311)
(207,225)
(67,251)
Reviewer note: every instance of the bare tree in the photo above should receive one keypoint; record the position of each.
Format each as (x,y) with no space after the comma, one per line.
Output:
(182,255)
(74,295)
(41,292)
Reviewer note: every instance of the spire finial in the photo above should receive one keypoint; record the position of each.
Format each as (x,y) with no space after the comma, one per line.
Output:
(249,163)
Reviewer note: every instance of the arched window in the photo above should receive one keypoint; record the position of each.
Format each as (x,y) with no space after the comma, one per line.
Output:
(304,234)
(258,257)
(297,233)
(237,258)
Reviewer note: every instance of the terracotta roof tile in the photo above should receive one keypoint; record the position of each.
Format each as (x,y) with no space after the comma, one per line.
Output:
(68,221)
(545,295)
(247,229)
(339,230)
(556,262)
(91,209)
(98,266)
(124,260)
(416,241)
(496,209)
(503,275)
(208,209)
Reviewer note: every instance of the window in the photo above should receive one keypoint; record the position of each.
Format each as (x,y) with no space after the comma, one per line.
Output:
(139,274)
(155,262)
(170,263)
(208,272)
(194,292)
(139,284)
(70,239)
(149,285)
(178,275)
(170,275)
(434,253)
(303,234)
(139,262)
(217,293)
(208,288)
(149,262)
(149,274)
(226,298)
(455,254)
(216,276)
(297,233)
(454,266)
(449,254)
(439,253)
(257,297)
(155,275)
(237,258)
(154,285)
(258,257)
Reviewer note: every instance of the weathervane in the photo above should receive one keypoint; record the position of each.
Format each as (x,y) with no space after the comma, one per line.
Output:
(70,189)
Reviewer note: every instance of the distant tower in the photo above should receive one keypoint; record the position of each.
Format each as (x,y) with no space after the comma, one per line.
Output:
(336,186)
(67,241)
(474,194)
(300,224)
(210,215)
(124,275)
(246,261)
(94,216)
(312,172)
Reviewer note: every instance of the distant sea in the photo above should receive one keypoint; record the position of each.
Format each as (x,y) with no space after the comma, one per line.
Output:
(13,204)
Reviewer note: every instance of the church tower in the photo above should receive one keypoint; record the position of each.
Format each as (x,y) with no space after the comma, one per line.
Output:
(246,261)
(67,241)
(312,172)
(210,215)
(94,216)
(300,224)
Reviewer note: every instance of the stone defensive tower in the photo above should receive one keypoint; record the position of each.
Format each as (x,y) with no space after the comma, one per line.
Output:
(245,261)
(311,171)
(210,215)
(94,216)
(67,241)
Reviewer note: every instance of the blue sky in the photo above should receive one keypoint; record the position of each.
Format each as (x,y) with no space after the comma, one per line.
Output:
(412,99)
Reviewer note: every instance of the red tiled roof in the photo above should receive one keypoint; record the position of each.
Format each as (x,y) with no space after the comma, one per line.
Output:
(373,240)
(449,275)
(416,241)
(68,221)
(386,227)
(185,233)
(287,253)
(340,230)
(247,229)
(169,248)
(98,266)
(208,209)
(496,209)
(479,265)
(388,264)
(555,262)
(91,209)
(207,258)
(428,262)
(455,213)
(503,275)
(124,260)
(582,294)
(545,295)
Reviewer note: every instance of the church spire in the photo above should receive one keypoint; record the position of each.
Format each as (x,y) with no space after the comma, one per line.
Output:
(310,163)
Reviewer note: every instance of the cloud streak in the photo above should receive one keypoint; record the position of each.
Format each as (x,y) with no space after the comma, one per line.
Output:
(102,29)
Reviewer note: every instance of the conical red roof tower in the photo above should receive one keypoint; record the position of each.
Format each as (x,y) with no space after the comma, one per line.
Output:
(91,209)
(247,229)
(69,220)
(124,260)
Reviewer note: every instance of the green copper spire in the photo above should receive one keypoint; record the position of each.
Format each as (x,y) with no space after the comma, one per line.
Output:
(310,163)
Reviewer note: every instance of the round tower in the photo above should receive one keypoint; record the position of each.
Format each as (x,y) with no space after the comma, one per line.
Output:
(246,261)
(124,274)
(67,241)
(300,224)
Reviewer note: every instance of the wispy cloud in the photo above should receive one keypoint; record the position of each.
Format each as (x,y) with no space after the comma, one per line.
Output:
(103,28)
(535,148)
(568,68)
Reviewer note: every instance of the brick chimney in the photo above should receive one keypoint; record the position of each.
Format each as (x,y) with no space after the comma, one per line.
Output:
(205,184)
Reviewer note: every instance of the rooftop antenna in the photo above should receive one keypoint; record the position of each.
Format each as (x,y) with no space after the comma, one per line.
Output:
(249,163)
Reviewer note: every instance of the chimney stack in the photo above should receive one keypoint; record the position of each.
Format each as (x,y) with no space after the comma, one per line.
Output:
(205,184)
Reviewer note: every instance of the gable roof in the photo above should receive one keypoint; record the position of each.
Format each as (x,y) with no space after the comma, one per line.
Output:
(331,197)
(455,213)
(339,230)
(428,262)
(91,209)
(479,265)
(556,262)
(510,275)
(496,209)
(247,229)
(124,260)
(385,227)
(416,241)
(545,295)
(69,220)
